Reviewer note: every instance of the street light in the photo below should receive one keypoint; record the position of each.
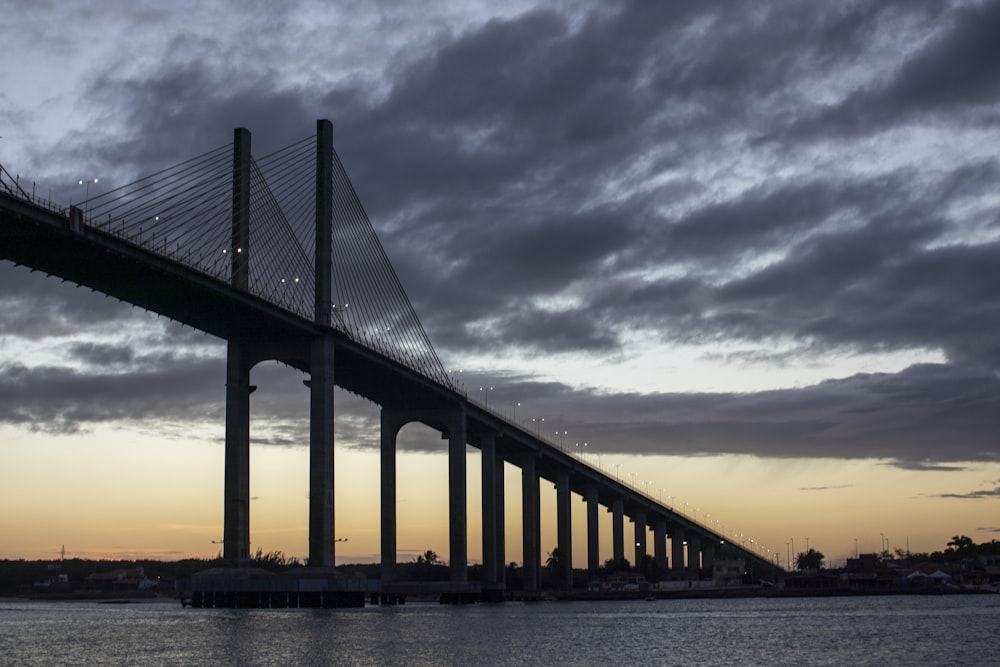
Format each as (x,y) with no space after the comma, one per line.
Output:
(86,197)
(487,390)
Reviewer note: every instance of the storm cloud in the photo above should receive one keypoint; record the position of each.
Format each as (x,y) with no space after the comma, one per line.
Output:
(800,181)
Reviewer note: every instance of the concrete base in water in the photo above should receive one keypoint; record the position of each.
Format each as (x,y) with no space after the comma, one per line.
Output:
(252,588)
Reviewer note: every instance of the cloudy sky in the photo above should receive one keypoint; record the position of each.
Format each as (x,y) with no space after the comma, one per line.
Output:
(744,251)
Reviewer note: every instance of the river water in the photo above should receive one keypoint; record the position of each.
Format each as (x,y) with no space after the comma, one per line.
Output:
(910,630)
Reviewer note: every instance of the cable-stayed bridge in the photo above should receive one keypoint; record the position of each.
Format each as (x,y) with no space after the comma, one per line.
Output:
(277,256)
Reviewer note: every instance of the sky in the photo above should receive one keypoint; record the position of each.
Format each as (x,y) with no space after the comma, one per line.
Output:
(746,252)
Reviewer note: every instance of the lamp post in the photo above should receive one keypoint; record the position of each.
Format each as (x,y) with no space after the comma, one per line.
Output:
(86,197)
(487,391)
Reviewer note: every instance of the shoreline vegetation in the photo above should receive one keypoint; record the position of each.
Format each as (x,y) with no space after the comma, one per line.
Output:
(964,567)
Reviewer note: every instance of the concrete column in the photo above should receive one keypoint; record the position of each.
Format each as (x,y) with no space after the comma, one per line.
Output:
(660,543)
(618,529)
(531,530)
(487,446)
(593,536)
(236,512)
(564,522)
(694,552)
(321,515)
(677,549)
(501,525)
(458,536)
(321,418)
(708,554)
(239,252)
(640,536)
(390,426)
(324,222)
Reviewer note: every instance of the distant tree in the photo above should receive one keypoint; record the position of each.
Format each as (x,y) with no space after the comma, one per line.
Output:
(809,560)
(611,565)
(555,560)
(274,561)
(961,545)
(428,558)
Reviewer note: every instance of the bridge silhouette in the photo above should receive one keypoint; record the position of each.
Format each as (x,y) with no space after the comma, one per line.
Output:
(277,256)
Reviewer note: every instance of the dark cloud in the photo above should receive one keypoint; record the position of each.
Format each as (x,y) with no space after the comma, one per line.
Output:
(951,74)
(553,182)
(973,495)
(928,417)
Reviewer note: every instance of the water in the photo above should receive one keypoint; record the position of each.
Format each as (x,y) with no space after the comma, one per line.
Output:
(912,630)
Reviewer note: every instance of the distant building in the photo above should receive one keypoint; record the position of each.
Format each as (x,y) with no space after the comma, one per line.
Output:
(119,580)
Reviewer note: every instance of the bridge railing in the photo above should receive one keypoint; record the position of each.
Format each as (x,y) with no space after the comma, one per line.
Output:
(10,184)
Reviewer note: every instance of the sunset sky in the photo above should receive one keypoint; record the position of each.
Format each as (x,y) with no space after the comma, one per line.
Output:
(747,251)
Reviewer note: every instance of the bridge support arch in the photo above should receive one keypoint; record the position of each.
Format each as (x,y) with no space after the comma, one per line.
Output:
(451,423)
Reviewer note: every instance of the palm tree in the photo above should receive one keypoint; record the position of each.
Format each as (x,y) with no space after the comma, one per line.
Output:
(809,560)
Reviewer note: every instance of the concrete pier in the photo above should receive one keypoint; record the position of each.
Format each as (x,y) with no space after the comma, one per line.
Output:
(593,541)
(640,537)
(564,529)
(531,530)
(677,548)
(618,529)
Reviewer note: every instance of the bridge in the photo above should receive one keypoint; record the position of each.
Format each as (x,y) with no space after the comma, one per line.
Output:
(277,257)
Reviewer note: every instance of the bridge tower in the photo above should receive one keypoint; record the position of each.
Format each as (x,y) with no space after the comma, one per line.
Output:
(321,516)
(236,515)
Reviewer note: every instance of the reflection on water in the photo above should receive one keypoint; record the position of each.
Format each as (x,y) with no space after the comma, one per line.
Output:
(915,630)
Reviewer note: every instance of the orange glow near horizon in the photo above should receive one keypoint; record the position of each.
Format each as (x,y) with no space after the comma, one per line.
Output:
(126,495)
